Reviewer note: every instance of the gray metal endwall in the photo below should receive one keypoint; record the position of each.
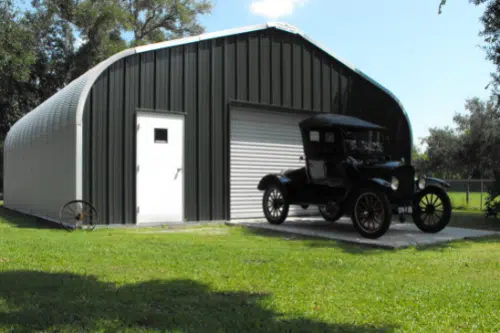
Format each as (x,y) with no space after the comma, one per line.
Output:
(267,67)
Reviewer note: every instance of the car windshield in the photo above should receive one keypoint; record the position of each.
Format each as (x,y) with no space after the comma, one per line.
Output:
(364,142)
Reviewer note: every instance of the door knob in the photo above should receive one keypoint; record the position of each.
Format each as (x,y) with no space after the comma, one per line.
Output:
(177,173)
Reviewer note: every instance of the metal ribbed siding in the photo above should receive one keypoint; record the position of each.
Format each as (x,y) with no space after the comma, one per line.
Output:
(262,142)
(269,68)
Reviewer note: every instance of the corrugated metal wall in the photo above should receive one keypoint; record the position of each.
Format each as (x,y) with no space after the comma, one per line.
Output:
(268,67)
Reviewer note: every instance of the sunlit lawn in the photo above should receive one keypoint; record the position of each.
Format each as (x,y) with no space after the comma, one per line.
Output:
(226,279)
(459,200)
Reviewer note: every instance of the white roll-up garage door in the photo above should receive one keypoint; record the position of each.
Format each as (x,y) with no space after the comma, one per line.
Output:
(262,142)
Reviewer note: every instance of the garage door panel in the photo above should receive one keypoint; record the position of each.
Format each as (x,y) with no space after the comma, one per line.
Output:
(262,142)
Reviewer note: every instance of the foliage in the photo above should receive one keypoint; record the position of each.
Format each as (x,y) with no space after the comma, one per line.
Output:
(478,136)
(17,56)
(471,150)
(490,33)
(228,279)
(441,152)
(492,203)
(45,47)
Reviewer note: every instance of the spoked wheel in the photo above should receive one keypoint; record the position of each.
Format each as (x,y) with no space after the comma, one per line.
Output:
(275,205)
(331,212)
(78,214)
(371,214)
(431,210)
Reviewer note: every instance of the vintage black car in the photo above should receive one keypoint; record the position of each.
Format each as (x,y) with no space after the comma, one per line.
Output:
(348,172)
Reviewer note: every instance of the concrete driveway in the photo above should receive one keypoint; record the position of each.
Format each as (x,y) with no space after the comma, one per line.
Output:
(400,235)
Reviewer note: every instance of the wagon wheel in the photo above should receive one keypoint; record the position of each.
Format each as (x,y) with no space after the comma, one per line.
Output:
(371,214)
(275,205)
(431,210)
(331,212)
(78,214)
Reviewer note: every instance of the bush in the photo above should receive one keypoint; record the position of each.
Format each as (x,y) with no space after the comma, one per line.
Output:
(492,203)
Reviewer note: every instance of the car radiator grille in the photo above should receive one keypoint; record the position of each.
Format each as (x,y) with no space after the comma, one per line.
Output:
(406,182)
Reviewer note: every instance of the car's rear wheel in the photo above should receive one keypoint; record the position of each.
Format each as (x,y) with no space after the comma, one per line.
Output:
(275,204)
(431,210)
(371,213)
(331,212)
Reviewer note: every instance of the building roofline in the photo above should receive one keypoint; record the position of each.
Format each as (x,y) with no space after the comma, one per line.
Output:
(252,28)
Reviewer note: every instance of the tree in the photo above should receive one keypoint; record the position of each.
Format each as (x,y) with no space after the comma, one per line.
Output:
(442,147)
(478,135)
(17,55)
(490,34)
(101,24)
(158,20)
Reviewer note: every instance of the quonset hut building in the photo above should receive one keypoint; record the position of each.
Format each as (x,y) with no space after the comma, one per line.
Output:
(184,129)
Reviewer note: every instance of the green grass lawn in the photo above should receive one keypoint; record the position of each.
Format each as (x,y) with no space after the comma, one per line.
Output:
(459,200)
(228,279)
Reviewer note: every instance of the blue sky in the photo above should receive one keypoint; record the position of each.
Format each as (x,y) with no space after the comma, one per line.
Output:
(431,62)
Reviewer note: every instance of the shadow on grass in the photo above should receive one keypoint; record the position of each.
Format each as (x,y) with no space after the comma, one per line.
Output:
(60,301)
(20,220)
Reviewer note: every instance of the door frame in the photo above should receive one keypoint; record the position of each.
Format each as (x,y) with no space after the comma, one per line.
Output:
(139,111)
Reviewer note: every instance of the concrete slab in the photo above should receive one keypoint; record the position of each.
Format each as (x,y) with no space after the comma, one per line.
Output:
(400,235)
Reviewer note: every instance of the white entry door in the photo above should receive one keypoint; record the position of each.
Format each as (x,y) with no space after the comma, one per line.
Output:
(160,167)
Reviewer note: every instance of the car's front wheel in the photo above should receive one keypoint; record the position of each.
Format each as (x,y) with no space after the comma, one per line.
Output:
(371,213)
(331,212)
(275,204)
(431,210)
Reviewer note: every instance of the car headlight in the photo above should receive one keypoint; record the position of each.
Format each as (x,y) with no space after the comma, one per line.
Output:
(394,183)
(422,182)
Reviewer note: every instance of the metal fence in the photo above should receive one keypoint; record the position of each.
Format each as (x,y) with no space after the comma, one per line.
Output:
(477,189)
(475,185)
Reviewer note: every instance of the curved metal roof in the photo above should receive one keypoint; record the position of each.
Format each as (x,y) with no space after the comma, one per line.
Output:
(65,108)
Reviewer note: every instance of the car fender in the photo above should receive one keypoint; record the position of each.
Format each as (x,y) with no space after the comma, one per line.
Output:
(377,183)
(273,179)
(437,182)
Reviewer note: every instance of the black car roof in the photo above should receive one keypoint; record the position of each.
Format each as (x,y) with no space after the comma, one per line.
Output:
(331,119)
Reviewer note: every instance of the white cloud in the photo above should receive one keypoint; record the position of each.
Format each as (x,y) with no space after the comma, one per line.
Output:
(274,9)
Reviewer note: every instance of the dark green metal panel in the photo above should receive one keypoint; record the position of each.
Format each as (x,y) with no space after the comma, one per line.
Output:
(253,68)
(191,149)
(276,75)
(218,134)
(271,69)
(316,82)
(204,158)
(100,114)
(265,69)
(286,65)
(115,143)
(162,89)
(344,91)
(242,67)
(336,97)
(176,82)
(147,81)
(297,69)
(326,86)
(132,90)
(306,78)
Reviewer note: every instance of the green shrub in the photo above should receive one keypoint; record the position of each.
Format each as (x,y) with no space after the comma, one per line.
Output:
(492,203)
